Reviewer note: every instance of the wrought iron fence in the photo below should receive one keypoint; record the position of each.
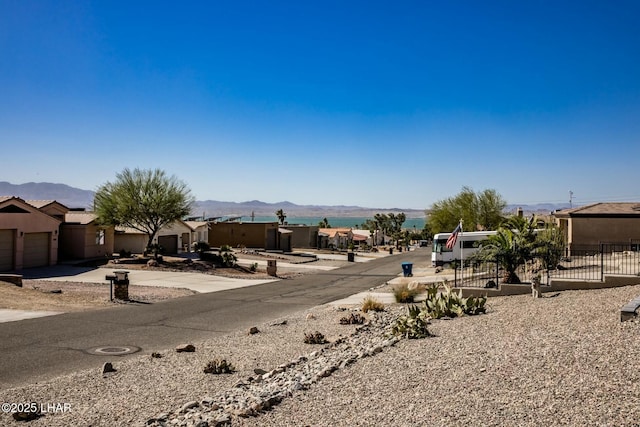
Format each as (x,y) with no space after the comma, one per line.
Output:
(579,263)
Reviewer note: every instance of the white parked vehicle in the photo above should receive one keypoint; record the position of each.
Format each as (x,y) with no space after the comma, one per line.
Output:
(466,244)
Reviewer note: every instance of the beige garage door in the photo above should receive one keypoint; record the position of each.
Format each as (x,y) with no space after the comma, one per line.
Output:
(36,250)
(6,250)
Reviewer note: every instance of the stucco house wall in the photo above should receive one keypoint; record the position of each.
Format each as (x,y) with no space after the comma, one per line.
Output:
(303,236)
(588,226)
(19,221)
(82,238)
(134,241)
(250,234)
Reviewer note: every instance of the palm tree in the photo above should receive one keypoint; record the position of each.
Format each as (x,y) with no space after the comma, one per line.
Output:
(503,247)
(513,245)
(281,215)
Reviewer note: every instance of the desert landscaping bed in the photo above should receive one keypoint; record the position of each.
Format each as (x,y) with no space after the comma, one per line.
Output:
(562,360)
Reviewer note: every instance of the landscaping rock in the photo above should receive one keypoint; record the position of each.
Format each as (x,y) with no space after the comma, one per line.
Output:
(185,348)
(107,368)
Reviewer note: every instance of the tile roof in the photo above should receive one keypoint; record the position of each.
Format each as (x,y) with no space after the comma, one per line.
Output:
(610,208)
(39,203)
(82,218)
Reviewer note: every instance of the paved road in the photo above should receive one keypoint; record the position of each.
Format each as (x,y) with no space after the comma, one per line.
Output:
(37,349)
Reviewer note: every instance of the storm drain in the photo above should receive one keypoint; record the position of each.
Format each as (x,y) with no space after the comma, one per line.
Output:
(113,350)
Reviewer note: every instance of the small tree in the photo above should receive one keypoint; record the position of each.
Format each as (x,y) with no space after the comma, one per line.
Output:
(145,200)
(483,210)
(324,223)
(550,246)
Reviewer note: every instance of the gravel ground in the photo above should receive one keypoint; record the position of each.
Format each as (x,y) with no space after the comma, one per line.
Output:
(75,296)
(559,360)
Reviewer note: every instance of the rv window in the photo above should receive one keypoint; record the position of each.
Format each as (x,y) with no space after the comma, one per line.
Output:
(440,246)
(468,244)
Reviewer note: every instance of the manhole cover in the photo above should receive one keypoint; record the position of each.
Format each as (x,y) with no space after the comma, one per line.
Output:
(113,350)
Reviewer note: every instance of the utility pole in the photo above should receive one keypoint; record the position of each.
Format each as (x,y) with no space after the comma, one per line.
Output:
(570,199)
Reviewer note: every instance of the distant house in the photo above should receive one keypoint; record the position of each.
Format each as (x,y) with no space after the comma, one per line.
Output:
(338,238)
(264,235)
(200,231)
(82,238)
(174,238)
(586,227)
(362,237)
(28,236)
(303,236)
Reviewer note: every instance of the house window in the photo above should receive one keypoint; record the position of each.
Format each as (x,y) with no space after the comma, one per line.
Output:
(100,237)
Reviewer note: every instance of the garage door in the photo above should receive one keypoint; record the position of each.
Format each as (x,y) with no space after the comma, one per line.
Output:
(36,250)
(169,243)
(6,250)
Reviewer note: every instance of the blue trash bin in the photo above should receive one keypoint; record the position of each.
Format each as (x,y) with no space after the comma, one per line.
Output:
(406,269)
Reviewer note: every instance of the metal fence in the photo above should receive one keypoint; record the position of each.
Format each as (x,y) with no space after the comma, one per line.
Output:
(579,263)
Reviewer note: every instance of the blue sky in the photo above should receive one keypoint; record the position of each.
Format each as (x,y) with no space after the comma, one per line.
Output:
(377,104)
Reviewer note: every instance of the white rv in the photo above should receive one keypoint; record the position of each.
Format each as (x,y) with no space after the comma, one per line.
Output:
(466,244)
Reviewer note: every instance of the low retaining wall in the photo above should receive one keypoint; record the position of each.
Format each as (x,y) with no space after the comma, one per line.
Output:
(16,279)
(610,281)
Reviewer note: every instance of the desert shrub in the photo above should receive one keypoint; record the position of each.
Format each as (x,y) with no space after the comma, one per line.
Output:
(315,338)
(228,257)
(155,249)
(124,254)
(412,325)
(372,304)
(452,304)
(254,267)
(217,366)
(353,319)
(403,294)
(201,247)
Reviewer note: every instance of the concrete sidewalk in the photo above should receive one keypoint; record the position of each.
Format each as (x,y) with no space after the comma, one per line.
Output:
(9,315)
(199,282)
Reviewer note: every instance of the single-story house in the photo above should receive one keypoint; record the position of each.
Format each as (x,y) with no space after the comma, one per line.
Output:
(338,238)
(82,238)
(248,234)
(28,236)
(303,236)
(585,227)
(200,231)
(174,238)
(362,237)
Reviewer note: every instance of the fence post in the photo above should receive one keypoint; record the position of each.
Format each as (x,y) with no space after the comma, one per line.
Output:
(601,263)
(455,277)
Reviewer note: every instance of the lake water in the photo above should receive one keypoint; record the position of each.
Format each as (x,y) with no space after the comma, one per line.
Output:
(336,222)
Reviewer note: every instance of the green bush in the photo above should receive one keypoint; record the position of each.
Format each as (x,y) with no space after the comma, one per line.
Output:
(452,304)
(201,247)
(228,257)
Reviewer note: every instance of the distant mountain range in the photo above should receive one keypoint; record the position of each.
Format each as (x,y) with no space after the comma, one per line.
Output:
(78,198)
(69,196)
